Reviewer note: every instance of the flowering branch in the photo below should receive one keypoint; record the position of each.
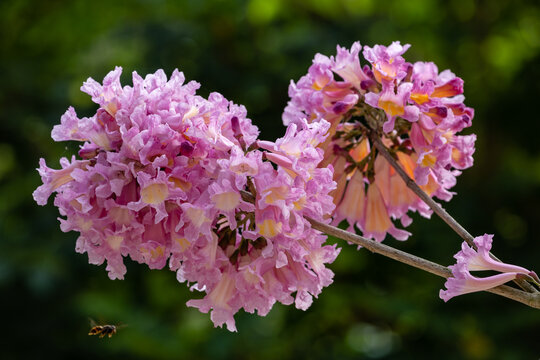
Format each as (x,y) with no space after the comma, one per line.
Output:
(529,299)
(437,209)
(162,172)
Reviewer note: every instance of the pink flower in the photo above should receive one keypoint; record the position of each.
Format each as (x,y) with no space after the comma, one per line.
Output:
(219,300)
(347,65)
(55,179)
(161,181)
(422,114)
(394,105)
(317,95)
(468,259)
(387,62)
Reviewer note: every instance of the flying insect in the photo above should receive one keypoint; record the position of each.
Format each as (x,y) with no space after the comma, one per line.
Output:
(103,330)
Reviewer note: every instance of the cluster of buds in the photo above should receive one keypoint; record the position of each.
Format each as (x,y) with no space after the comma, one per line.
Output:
(414,110)
(168,177)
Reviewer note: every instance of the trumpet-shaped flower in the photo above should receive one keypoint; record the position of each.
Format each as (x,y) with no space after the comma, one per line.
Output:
(387,63)
(469,259)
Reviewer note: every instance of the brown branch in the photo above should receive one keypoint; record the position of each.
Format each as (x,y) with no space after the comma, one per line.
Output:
(411,184)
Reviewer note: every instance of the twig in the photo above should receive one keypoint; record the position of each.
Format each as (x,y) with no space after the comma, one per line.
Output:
(411,184)
(437,209)
(530,299)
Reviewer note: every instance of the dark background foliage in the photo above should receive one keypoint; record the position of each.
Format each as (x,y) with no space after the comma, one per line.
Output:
(249,50)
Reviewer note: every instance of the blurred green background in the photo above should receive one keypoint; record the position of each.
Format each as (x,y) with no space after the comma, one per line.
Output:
(249,50)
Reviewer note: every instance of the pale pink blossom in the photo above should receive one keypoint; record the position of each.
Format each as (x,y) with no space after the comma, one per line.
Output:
(468,259)
(161,181)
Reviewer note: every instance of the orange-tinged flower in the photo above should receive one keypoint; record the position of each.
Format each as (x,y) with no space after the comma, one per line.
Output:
(377,219)
(352,206)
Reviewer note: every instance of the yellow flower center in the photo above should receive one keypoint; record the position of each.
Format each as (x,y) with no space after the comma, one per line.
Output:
(429,160)
(226,201)
(114,241)
(269,228)
(391,107)
(154,194)
(419,98)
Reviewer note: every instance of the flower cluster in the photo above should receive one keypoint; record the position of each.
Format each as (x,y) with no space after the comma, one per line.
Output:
(419,110)
(469,259)
(168,177)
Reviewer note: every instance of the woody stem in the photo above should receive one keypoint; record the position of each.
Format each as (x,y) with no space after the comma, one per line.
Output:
(411,184)
(530,299)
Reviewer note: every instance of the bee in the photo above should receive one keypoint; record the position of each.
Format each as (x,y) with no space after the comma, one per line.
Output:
(103,330)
